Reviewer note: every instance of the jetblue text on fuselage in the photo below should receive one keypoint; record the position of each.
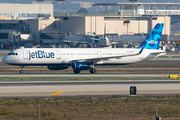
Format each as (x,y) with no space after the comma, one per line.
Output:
(40,54)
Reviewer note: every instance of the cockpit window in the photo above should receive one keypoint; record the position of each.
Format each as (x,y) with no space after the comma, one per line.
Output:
(12,54)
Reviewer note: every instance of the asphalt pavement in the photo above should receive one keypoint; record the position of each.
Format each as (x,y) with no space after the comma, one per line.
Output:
(87,88)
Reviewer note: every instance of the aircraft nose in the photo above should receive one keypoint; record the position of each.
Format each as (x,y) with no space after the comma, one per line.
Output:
(4,59)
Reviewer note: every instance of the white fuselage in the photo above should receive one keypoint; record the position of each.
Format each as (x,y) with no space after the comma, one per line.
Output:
(56,56)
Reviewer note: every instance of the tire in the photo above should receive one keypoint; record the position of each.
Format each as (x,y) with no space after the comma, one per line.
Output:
(77,71)
(93,71)
(21,71)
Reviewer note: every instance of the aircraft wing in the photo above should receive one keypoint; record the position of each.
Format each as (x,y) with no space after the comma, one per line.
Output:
(94,39)
(95,60)
(68,41)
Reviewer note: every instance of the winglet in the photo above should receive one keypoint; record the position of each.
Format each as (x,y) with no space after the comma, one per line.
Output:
(141,49)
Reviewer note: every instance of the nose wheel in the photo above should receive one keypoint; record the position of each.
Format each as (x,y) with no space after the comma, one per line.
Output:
(93,71)
(21,72)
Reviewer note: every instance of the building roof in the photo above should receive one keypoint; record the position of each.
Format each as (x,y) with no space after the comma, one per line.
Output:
(136,4)
(4,18)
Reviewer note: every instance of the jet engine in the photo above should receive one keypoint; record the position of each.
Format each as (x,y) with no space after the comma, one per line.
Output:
(57,67)
(80,66)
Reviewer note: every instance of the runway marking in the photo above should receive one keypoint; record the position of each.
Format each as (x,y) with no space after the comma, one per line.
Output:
(57,93)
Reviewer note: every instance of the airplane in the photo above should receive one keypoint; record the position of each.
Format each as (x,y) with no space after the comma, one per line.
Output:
(86,58)
(98,41)
(101,41)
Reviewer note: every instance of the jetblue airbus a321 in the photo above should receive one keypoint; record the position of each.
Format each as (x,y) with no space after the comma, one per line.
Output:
(86,58)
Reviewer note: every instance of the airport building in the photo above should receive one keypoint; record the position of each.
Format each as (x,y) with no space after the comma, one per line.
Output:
(27,11)
(42,29)
(95,25)
(119,30)
(29,25)
(137,8)
(131,22)
(47,32)
(30,32)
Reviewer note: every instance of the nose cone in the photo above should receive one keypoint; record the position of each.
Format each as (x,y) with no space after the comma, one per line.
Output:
(4,59)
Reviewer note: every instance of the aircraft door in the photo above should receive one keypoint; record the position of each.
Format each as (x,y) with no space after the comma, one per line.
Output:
(98,54)
(58,54)
(25,54)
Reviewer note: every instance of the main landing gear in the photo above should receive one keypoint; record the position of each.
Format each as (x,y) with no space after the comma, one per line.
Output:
(93,71)
(22,69)
(77,71)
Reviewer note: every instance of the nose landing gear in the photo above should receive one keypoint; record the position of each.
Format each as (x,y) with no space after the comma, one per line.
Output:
(21,72)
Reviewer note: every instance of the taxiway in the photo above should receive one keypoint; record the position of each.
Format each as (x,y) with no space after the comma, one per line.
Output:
(81,75)
(87,88)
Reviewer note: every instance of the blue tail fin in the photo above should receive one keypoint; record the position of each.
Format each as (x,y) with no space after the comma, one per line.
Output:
(154,38)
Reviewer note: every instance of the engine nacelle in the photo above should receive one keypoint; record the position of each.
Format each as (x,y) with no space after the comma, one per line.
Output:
(80,66)
(57,67)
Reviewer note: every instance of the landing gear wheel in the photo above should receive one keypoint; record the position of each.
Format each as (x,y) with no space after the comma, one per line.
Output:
(21,71)
(77,71)
(93,71)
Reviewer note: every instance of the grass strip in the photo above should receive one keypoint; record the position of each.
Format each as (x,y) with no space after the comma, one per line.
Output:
(80,78)
(84,108)
(169,57)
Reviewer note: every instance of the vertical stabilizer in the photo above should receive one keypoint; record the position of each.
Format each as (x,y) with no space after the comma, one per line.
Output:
(154,38)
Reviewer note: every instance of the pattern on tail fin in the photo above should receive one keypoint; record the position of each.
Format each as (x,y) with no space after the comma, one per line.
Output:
(154,38)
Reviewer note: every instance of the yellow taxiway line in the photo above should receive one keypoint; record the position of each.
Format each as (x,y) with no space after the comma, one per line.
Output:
(57,93)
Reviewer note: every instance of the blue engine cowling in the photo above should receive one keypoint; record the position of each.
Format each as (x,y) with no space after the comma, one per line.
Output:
(57,67)
(80,66)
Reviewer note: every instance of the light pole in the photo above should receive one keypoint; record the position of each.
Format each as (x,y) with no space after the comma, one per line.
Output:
(127,22)
(40,6)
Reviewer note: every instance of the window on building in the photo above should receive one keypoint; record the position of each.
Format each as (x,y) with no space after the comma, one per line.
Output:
(16,26)
(51,36)
(3,35)
(65,18)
